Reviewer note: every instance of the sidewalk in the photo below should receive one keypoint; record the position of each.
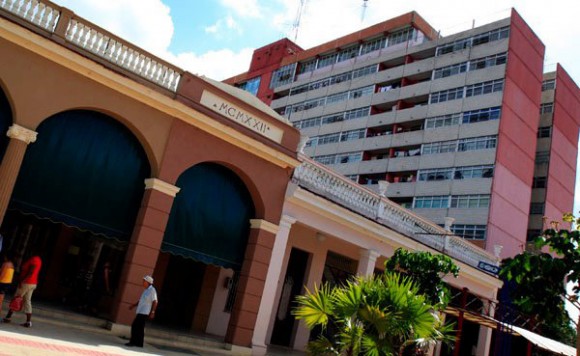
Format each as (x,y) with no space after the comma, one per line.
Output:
(56,332)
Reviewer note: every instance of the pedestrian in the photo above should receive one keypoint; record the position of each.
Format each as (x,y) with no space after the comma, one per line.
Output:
(28,281)
(145,310)
(6,275)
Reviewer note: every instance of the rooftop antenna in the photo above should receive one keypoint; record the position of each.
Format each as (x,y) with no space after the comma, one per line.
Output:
(296,24)
(364,10)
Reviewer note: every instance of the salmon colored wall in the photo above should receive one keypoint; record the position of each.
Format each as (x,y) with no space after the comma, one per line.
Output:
(564,147)
(188,146)
(516,149)
(38,88)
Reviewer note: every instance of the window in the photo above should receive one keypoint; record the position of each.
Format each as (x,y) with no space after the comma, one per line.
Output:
(542,157)
(401,36)
(251,85)
(450,70)
(544,132)
(373,45)
(307,66)
(446,95)
(339,158)
(303,124)
(537,208)
(438,147)
(546,108)
(473,172)
(359,93)
(491,86)
(470,201)
(361,72)
(475,232)
(431,202)
(348,53)
(539,182)
(283,76)
(549,84)
(476,143)
(488,61)
(427,175)
(326,139)
(470,117)
(326,60)
(335,98)
(352,135)
(442,121)
(353,177)
(458,45)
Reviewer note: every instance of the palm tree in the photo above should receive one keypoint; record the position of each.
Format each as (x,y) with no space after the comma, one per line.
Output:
(373,315)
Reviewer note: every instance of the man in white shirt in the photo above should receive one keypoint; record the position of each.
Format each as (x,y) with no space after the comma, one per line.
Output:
(145,310)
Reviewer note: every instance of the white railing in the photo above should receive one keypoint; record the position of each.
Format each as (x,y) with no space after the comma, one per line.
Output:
(33,11)
(323,181)
(121,54)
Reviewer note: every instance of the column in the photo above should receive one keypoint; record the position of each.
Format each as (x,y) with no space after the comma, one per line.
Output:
(315,273)
(367,262)
(144,247)
(20,137)
(273,276)
(251,284)
(485,333)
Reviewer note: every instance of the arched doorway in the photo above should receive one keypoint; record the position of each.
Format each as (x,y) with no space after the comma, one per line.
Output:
(5,122)
(75,202)
(206,235)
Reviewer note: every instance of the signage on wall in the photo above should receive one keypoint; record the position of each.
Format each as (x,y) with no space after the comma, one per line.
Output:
(242,117)
(488,267)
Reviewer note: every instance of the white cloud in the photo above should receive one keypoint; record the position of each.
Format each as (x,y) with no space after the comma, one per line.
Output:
(217,65)
(244,8)
(147,23)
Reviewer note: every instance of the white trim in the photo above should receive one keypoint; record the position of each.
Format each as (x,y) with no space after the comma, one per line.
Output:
(161,186)
(22,133)
(264,225)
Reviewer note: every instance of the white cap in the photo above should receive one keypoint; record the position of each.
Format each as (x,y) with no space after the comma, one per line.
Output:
(148,279)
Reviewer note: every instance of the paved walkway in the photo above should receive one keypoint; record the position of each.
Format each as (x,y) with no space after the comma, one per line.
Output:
(48,340)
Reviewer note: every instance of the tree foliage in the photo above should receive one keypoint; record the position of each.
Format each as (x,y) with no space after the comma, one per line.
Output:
(540,280)
(428,271)
(374,315)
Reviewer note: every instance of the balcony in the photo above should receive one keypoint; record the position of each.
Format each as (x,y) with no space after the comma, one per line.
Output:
(323,181)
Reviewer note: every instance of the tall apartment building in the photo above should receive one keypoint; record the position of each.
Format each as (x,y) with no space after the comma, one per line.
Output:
(463,126)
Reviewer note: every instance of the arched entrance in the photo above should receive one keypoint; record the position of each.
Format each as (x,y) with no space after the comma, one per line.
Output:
(5,122)
(204,244)
(75,202)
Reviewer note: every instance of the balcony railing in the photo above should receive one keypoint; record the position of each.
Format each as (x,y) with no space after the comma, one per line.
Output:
(88,37)
(321,180)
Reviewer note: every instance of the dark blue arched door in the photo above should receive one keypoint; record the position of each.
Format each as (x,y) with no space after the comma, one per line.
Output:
(209,220)
(85,170)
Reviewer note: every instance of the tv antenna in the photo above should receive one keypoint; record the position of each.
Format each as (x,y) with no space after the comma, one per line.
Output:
(364,10)
(296,24)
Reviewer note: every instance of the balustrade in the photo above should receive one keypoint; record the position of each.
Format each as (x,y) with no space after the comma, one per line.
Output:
(33,11)
(331,185)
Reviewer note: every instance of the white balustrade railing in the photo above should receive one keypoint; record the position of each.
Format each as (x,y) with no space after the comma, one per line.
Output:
(121,54)
(33,11)
(323,181)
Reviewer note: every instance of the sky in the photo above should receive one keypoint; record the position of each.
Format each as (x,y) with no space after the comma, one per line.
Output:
(216,38)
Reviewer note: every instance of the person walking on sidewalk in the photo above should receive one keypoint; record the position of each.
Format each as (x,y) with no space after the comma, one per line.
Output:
(6,275)
(145,310)
(27,285)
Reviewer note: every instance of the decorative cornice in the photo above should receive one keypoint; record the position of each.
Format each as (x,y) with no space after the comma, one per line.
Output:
(264,225)
(287,221)
(22,133)
(161,186)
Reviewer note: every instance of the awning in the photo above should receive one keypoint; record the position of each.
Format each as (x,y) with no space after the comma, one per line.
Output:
(540,341)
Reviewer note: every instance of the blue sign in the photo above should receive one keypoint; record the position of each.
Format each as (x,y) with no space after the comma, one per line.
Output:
(489,268)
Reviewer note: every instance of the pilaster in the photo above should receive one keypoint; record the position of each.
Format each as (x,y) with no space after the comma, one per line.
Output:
(146,240)
(20,138)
